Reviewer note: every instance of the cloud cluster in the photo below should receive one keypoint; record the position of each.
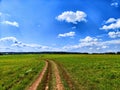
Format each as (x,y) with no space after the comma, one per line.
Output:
(85,42)
(114,34)
(113,24)
(92,43)
(72,17)
(12,44)
(88,41)
(69,34)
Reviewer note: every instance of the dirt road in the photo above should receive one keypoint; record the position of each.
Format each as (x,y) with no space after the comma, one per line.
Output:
(49,78)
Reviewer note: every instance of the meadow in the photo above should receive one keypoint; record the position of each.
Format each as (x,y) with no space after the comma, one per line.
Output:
(18,71)
(77,71)
(91,72)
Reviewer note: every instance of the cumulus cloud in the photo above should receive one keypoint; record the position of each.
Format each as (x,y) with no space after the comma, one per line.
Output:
(14,23)
(92,43)
(114,34)
(115,4)
(12,44)
(69,34)
(113,24)
(72,17)
(110,20)
(85,42)
(88,39)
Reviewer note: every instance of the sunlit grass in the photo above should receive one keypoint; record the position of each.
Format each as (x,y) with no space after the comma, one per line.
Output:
(92,72)
(18,71)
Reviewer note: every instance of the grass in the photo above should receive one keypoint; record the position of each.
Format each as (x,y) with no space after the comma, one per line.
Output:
(87,72)
(18,71)
(92,72)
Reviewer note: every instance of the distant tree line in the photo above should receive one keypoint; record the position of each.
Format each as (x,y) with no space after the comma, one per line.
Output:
(6,53)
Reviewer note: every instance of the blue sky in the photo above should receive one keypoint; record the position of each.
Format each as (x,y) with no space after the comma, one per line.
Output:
(67,25)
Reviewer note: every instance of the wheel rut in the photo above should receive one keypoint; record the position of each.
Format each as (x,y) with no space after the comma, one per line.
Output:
(39,79)
(72,85)
(59,85)
(45,79)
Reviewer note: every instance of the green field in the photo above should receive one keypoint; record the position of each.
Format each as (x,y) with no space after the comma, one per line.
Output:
(84,72)
(92,72)
(18,71)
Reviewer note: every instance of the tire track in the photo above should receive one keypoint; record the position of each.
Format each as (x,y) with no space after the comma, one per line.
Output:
(44,81)
(39,79)
(59,85)
(48,77)
(65,75)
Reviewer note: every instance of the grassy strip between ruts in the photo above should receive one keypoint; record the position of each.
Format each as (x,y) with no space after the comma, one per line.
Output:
(48,82)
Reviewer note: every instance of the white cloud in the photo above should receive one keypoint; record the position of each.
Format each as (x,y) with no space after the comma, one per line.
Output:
(12,39)
(14,23)
(7,42)
(114,34)
(12,44)
(93,44)
(115,4)
(72,17)
(3,16)
(69,34)
(89,39)
(117,41)
(86,42)
(112,25)
(110,20)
